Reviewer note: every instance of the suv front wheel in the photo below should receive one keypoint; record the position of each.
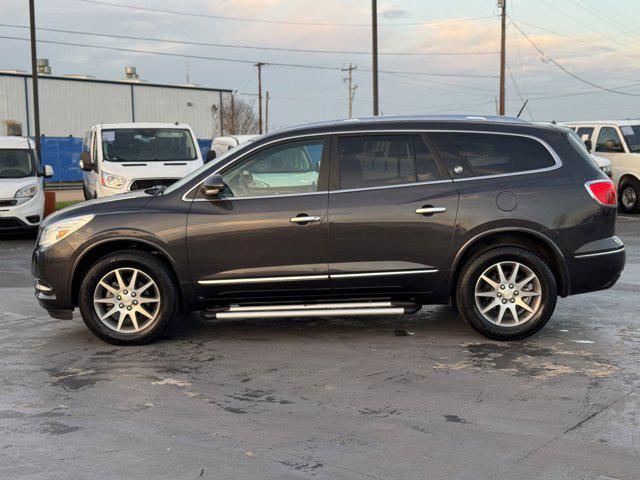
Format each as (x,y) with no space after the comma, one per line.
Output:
(506,293)
(128,297)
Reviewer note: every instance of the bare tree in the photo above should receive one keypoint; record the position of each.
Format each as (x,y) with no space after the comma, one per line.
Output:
(241,119)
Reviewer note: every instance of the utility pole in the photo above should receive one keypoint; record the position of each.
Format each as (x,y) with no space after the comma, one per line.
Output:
(351,89)
(266,112)
(502,4)
(34,76)
(259,65)
(233,113)
(374,53)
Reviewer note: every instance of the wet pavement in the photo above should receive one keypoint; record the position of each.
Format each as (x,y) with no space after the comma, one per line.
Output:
(408,398)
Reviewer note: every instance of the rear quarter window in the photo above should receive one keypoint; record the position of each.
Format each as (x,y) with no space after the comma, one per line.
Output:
(496,154)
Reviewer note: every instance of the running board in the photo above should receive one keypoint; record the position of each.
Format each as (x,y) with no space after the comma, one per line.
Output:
(314,310)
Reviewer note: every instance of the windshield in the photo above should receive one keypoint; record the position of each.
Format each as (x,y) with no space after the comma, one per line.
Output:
(16,164)
(631,134)
(147,144)
(209,166)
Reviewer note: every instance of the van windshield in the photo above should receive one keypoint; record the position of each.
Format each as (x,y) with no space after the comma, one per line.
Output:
(631,134)
(16,164)
(147,144)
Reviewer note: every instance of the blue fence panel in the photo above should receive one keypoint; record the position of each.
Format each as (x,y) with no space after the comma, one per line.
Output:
(63,154)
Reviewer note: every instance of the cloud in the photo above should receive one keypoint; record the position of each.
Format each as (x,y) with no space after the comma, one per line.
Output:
(394,13)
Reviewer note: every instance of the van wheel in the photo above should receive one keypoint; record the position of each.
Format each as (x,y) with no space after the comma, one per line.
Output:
(630,196)
(128,298)
(86,194)
(507,293)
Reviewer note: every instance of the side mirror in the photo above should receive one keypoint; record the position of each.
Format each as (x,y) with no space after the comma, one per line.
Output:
(588,144)
(211,154)
(47,171)
(212,185)
(85,162)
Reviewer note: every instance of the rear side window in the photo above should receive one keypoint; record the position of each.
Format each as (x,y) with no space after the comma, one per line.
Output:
(382,160)
(609,140)
(493,154)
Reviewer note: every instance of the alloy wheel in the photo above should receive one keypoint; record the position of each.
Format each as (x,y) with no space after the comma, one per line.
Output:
(508,294)
(127,300)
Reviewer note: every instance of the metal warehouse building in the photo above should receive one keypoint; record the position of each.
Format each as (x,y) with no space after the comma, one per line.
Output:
(69,105)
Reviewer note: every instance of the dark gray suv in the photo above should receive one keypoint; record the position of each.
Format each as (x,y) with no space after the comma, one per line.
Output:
(374,216)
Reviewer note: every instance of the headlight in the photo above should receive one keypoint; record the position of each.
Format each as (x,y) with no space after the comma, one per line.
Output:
(113,181)
(58,230)
(606,169)
(27,192)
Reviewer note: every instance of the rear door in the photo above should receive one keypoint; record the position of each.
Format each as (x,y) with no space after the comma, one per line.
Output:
(266,236)
(392,211)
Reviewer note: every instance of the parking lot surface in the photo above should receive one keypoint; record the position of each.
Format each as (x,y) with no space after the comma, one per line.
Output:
(382,398)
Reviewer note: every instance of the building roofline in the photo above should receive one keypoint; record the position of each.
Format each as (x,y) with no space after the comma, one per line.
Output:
(9,73)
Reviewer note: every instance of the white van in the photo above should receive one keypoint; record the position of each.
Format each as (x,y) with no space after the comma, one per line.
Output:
(619,141)
(121,157)
(219,145)
(21,184)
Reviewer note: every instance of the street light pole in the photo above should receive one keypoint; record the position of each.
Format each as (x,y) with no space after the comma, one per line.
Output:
(374,53)
(503,11)
(34,75)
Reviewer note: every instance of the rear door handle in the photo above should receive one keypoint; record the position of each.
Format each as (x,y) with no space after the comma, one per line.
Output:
(429,210)
(303,218)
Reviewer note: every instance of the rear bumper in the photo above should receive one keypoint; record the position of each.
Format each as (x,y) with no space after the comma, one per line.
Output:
(597,271)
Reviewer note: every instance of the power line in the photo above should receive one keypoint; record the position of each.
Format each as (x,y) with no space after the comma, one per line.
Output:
(277,22)
(237,60)
(601,16)
(547,59)
(247,47)
(584,24)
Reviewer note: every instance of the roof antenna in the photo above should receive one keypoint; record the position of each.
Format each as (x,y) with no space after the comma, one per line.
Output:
(522,109)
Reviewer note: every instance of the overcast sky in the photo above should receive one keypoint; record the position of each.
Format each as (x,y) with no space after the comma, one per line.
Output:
(597,44)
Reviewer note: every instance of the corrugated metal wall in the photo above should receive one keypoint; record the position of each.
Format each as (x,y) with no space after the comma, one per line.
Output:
(70,107)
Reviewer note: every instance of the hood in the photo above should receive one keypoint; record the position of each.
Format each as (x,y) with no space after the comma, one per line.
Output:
(9,186)
(112,204)
(152,169)
(601,161)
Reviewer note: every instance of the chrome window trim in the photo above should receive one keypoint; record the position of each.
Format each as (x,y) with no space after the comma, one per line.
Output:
(302,278)
(608,252)
(554,155)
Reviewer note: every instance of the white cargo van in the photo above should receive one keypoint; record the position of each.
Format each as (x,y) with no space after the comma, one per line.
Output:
(220,145)
(21,184)
(619,141)
(121,157)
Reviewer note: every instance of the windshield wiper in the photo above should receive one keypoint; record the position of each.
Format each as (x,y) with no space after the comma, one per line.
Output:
(155,190)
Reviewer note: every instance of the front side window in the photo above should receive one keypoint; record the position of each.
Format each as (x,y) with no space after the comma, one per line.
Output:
(384,160)
(280,170)
(631,134)
(147,144)
(609,141)
(494,154)
(16,164)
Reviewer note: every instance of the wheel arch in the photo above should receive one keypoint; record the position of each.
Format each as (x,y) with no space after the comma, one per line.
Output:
(104,247)
(531,240)
(626,176)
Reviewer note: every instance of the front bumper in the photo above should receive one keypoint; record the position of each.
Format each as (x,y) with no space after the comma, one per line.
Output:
(26,216)
(52,269)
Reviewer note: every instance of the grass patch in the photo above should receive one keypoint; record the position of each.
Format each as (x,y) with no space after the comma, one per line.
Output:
(60,205)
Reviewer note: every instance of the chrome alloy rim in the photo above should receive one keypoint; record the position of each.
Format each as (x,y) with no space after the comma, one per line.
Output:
(508,294)
(127,300)
(629,197)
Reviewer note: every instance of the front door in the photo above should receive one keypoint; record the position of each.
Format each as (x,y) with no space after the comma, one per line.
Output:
(609,145)
(392,211)
(266,236)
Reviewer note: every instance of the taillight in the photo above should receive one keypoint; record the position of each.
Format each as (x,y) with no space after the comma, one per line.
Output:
(603,191)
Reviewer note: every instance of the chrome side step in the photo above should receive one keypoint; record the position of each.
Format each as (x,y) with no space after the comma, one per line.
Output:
(314,310)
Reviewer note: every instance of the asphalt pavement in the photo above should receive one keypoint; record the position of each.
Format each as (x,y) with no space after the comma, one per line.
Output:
(412,397)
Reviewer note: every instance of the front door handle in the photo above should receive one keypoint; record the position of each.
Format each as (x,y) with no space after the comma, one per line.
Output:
(304,218)
(430,210)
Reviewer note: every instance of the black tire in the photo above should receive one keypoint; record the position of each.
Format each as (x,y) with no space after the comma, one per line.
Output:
(149,265)
(85,192)
(633,187)
(473,269)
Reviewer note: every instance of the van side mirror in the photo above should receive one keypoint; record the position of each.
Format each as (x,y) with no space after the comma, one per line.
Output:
(588,144)
(211,154)
(212,185)
(47,171)
(85,162)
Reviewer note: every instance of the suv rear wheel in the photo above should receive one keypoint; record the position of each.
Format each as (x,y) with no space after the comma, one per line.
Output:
(506,293)
(630,195)
(128,297)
